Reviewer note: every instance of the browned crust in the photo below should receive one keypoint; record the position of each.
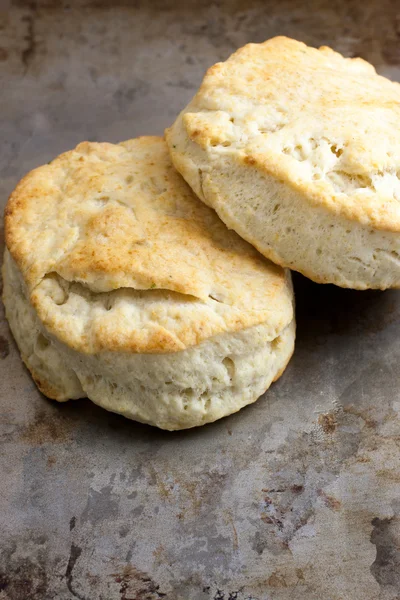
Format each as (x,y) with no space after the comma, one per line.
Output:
(280,373)
(380,210)
(47,388)
(184,248)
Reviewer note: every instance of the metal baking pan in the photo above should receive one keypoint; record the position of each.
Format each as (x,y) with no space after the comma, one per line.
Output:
(295,497)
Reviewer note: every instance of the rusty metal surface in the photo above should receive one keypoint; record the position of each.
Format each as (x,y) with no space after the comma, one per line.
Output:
(296,497)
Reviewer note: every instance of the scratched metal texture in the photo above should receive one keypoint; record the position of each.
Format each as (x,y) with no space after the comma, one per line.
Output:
(296,497)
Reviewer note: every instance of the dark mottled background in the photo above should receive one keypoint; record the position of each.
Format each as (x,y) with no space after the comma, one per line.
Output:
(295,498)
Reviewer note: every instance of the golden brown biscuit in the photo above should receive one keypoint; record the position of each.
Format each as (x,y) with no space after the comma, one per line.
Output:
(122,286)
(298,151)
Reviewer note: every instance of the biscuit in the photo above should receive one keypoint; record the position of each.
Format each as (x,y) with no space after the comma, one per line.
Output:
(298,150)
(120,285)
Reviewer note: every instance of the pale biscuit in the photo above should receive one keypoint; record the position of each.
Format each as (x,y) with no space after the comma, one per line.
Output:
(121,286)
(298,151)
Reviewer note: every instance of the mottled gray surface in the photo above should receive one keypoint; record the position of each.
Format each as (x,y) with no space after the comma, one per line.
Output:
(295,498)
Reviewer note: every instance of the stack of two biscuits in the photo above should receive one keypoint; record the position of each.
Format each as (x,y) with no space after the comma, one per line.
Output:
(121,285)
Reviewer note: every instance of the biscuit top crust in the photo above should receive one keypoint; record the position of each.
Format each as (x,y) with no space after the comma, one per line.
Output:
(117,253)
(326,125)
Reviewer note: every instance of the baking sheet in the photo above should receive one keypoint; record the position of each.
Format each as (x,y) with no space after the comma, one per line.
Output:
(296,497)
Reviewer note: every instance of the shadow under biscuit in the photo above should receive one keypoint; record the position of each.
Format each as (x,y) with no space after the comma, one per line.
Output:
(327,309)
